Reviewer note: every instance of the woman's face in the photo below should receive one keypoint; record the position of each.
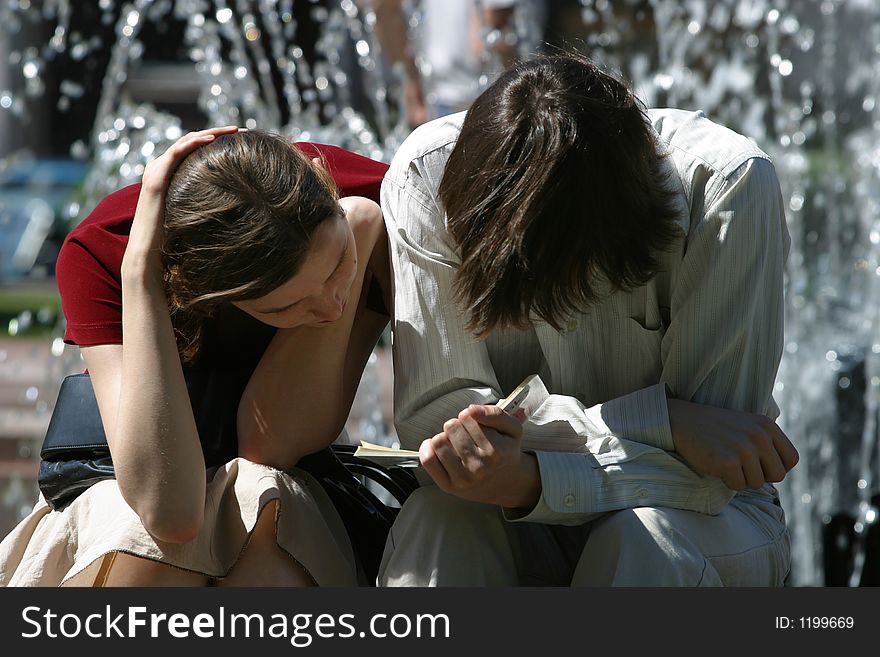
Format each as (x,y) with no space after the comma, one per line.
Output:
(319,291)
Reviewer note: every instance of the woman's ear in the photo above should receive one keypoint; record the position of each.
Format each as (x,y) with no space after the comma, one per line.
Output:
(318,163)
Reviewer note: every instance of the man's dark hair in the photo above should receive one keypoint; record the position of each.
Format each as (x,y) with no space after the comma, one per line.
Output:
(555,194)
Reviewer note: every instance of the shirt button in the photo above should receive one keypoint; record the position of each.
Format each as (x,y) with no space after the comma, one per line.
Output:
(568,500)
(572,326)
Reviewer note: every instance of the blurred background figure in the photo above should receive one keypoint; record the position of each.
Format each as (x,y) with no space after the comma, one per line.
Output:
(448,51)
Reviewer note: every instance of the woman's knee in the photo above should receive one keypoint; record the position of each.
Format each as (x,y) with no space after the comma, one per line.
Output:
(263,562)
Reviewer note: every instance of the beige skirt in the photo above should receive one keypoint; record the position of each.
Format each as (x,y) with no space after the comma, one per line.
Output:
(65,548)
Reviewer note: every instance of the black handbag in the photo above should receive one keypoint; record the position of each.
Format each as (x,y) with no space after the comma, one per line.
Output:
(75,455)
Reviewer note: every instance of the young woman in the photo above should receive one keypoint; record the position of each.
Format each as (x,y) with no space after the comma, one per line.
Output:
(225,309)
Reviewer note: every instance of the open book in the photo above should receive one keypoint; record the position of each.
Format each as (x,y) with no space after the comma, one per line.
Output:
(520,403)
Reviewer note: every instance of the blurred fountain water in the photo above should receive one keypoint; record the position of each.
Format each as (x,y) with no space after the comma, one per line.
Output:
(800,78)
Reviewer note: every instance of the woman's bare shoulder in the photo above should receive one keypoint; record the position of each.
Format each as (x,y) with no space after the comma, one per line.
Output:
(363,214)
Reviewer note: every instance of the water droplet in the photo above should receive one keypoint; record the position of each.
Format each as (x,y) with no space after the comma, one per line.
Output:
(785,68)
(831,356)
(664,81)
(32,393)
(862,484)
(348,7)
(223,15)
(789,25)
(844,382)
(806,498)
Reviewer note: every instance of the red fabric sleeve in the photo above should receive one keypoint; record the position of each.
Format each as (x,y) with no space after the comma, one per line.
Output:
(355,175)
(88,271)
(90,261)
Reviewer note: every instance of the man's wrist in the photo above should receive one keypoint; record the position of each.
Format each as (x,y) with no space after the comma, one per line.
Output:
(526,489)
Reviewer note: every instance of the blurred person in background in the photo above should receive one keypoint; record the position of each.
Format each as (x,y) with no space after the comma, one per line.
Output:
(460,42)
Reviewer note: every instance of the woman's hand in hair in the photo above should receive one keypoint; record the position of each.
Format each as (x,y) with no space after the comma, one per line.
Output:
(145,241)
(477,457)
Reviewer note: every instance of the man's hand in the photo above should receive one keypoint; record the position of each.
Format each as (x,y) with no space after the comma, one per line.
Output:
(744,450)
(477,457)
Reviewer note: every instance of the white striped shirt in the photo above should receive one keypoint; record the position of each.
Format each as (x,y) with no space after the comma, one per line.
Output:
(707,328)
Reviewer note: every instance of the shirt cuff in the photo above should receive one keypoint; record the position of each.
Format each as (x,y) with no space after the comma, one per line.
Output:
(641,416)
(615,475)
(566,491)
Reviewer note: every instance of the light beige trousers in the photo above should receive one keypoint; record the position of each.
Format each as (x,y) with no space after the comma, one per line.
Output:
(441,540)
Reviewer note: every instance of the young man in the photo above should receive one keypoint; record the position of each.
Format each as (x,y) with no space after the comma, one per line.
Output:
(634,260)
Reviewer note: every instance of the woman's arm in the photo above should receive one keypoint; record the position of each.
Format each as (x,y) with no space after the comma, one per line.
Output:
(140,386)
(300,394)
